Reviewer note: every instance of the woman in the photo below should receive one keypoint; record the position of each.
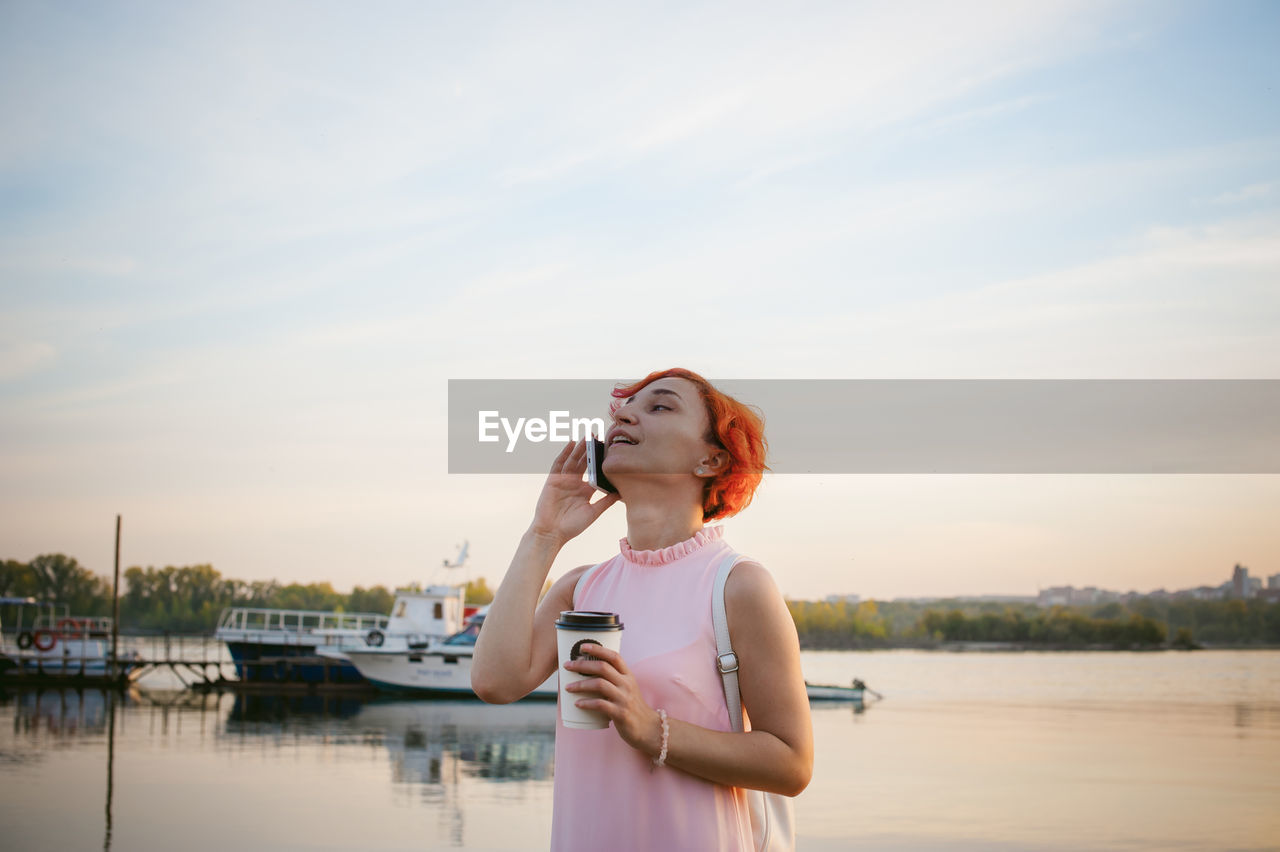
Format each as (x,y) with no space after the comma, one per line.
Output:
(679,453)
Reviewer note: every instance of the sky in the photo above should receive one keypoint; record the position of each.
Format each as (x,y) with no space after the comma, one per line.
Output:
(245,246)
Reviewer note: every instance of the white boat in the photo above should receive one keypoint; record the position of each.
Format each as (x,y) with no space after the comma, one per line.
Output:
(824,692)
(58,645)
(273,645)
(417,619)
(311,646)
(438,668)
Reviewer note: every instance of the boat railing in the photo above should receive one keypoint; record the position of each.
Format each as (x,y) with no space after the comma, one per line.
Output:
(74,626)
(59,651)
(296,621)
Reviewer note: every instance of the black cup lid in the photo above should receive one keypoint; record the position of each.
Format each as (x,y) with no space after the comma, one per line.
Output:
(589,620)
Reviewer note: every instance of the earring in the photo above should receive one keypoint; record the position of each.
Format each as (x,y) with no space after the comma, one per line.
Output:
(699,471)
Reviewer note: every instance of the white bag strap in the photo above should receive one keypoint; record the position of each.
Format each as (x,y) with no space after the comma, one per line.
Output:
(582,579)
(772,815)
(726,659)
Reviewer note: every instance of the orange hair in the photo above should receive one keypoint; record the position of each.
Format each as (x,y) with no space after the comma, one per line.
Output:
(735,428)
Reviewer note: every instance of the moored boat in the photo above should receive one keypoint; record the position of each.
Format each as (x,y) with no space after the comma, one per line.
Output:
(436,668)
(417,619)
(279,645)
(312,646)
(825,692)
(55,645)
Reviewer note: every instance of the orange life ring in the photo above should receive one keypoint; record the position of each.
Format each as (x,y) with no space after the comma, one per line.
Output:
(72,627)
(42,635)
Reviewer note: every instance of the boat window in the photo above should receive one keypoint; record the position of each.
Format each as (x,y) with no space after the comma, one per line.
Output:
(466,637)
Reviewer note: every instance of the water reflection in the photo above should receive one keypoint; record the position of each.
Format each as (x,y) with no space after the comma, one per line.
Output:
(436,750)
(60,715)
(53,719)
(255,709)
(442,742)
(427,741)
(1005,752)
(111,764)
(451,759)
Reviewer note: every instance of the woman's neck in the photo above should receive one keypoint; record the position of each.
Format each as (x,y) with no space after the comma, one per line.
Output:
(653,526)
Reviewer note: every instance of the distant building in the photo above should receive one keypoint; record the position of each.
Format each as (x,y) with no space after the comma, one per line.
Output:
(997,598)
(850,600)
(1055,596)
(1087,596)
(1240,585)
(1071,596)
(953,599)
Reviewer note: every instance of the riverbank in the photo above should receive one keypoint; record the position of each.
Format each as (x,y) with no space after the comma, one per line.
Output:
(966,647)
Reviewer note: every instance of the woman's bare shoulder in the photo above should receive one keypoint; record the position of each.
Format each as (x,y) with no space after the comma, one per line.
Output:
(759,618)
(750,585)
(568,578)
(562,590)
(572,575)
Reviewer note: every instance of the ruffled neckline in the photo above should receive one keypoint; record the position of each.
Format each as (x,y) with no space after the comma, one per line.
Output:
(675,551)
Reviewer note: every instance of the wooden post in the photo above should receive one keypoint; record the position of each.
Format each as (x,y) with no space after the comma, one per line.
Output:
(115,605)
(111,759)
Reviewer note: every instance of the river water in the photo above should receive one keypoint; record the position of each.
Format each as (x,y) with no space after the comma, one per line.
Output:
(966,751)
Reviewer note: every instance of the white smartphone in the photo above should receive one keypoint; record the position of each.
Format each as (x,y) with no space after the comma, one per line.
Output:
(595,467)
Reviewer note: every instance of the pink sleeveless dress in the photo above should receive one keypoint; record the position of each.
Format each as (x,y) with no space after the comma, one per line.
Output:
(608,796)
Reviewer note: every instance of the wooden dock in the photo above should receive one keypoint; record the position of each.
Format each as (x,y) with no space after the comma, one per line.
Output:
(199,663)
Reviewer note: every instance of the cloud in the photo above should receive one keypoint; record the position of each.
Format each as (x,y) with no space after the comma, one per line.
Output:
(1160,310)
(69,263)
(1000,108)
(20,358)
(668,93)
(1252,192)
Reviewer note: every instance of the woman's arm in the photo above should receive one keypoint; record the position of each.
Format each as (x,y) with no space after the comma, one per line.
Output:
(777,753)
(516,649)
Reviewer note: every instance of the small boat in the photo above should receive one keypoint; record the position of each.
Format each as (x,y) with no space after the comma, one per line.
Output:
(58,646)
(435,668)
(312,646)
(279,645)
(822,692)
(417,619)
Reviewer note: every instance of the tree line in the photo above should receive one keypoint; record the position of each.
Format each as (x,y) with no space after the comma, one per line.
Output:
(186,598)
(189,598)
(1144,623)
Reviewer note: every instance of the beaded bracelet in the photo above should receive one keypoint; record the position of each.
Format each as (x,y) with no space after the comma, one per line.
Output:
(666,732)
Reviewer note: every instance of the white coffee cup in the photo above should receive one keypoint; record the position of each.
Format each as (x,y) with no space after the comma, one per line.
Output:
(573,630)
